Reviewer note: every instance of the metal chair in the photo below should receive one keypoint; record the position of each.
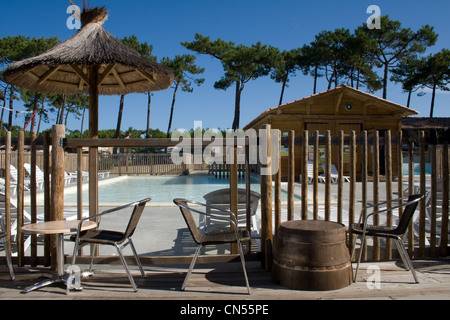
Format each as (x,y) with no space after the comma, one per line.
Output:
(234,235)
(221,199)
(113,238)
(3,235)
(363,229)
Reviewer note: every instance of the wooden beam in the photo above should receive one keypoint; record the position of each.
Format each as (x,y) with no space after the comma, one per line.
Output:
(80,73)
(105,73)
(48,74)
(147,76)
(117,76)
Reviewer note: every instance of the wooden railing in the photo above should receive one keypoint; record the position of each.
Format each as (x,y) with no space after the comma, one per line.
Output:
(363,183)
(358,157)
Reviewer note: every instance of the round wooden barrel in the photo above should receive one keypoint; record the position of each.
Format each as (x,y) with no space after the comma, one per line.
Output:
(312,255)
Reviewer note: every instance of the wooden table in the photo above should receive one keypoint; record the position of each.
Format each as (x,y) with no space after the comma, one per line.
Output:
(58,228)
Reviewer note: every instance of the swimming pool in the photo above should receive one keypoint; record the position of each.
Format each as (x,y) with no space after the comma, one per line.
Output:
(162,189)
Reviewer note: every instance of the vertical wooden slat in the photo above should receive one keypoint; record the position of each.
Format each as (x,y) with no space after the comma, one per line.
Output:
(433,201)
(327,174)
(316,174)
(234,190)
(399,169)
(340,169)
(291,175)
(388,174)
(20,194)
(278,186)
(8,187)
(248,211)
(93,134)
(445,200)
(352,195)
(33,193)
(410,192)
(58,168)
(304,184)
(376,196)
(79,183)
(364,180)
(422,191)
(47,196)
(266,194)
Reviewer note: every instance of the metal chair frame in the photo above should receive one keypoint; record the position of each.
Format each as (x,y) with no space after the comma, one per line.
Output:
(119,245)
(395,233)
(3,235)
(233,223)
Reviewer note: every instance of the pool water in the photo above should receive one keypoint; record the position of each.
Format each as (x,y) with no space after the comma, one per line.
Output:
(162,189)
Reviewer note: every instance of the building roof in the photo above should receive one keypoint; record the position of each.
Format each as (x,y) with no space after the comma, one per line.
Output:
(425,123)
(370,101)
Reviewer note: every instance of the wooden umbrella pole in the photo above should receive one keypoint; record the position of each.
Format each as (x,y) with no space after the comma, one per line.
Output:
(93,134)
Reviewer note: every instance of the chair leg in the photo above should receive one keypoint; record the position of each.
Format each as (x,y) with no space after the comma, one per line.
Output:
(137,257)
(191,267)
(125,265)
(9,261)
(241,253)
(362,240)
(406,260)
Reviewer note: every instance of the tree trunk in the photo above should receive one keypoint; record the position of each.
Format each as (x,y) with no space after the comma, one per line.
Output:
(82,123)
(385,79)
(282,90)
(148,113)
(3,109)
(63,108)
(409,98)
(11,107)
(315,79)
(432,100)
(237,106)
(33,120)
(171,110)
(40,118)
(119,118)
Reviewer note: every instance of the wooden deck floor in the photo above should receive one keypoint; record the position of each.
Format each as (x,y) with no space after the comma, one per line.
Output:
(226,282)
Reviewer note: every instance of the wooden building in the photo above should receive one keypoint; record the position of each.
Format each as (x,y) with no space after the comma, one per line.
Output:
(342,108)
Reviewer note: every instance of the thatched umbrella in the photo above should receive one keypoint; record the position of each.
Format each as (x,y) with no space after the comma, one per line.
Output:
(92,62)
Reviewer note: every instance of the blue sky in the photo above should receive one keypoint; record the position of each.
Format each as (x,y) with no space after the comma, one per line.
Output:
(285,24)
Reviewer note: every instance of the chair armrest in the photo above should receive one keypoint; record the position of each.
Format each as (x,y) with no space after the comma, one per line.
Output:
(386,209)
(80,224)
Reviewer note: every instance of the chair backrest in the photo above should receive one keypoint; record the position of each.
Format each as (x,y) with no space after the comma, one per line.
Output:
(187,215)
(408,213)
(135,216)
(222,197)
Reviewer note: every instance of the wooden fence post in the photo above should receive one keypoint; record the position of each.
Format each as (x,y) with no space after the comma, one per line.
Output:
(376,195)
(278,186)
(33,193)
(8,188)
(291,175)
(266,198)
(57,191)
(304,208)
(445,200)
(327,175)
(47,196)
(20,190)
(388,174)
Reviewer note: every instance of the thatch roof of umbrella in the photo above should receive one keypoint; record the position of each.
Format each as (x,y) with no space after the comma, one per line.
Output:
(64,69)
(94,62)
